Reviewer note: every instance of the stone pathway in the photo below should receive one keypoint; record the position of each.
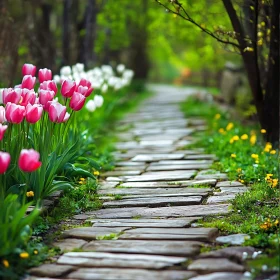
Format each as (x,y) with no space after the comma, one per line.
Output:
(147,228)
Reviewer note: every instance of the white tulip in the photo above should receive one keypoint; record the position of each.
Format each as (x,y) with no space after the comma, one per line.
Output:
(120,68)
(98,100)
(91,106)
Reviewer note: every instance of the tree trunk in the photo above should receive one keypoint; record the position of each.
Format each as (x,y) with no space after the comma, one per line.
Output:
(271,97)
(66,31)
(86,54)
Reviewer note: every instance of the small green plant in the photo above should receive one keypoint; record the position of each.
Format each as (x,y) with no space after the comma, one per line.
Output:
(111,236)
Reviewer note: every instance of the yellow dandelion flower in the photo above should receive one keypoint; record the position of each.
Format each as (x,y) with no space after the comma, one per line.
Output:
(229,126)
(231,141)
(82,179)
(241,181)
(96,173)
(30,194)
(244,137)
(273,152)
(263,131)
(222,131)
(6,263)
(274,183)
(257,162)
(217,116)
(24,255)
(35,252)
(253,139)
(254,156)
(276,223)
(233,155)
(239,170)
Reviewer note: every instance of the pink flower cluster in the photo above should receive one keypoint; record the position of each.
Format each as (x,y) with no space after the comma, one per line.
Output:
(23,102)
(28,161)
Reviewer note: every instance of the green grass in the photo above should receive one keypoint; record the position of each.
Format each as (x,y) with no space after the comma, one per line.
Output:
(245,157)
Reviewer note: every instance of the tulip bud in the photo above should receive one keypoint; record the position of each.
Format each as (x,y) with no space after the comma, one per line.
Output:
(3,128)
(77,101)
(28,69)
(11,95)
(49,85)
(33,113)
(45,75)
(29,160)
(98,100)
(85,83)
(5,159)
(45,96)
(68,88)
(2,114)
(57,112)
(91,106)
(28,82)
(14,113)
(27,97)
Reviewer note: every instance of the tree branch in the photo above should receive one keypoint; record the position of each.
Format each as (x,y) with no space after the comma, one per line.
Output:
(188,18)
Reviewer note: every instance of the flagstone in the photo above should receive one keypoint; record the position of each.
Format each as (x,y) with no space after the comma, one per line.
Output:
(150,223)
(197,234)
(230,190)
(161,176)
(121,173)
(100,259)
(135,274)
(233,239)
(220,276)
(170,184)
(128,163)
(229,184)
(69,244)
(218,176)
(51,270)
(89,233)
(178,167)
(220,198)
(154,192)
(175,211)
(201,156)
(154,201)
(153,247)
(215,265)
(156,157)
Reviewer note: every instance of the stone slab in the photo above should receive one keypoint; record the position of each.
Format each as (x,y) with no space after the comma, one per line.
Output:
(121,173)
(90,233)
(153,247)
(156,157)
(220,198)
(233,239)
(128,274)
(218,176)
(128,163)
(215,265)
(100,259)
(230,190)
(178,167)
(171,212)
(219,276)
(51,270)
(201,156)
(197,234)
(170,184)
(155,192)
(181,162)
(162,176)
(233,253)
(69,244)
(150,223)
(229,184)
(154,201)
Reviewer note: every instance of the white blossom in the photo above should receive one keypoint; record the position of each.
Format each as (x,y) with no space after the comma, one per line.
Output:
(98,100)
(91,106)
(120,68)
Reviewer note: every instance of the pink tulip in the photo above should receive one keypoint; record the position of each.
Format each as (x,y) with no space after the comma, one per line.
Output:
(45,75)
(77,101)
(2,114)
(11,95)
(33,113)
(28,69)
(14,113)
(85,83)
(3,128)
(49,85)
(5,159)
(29,160)
(68,88)
(28,82)
(45,96)
(27,97)
(57,112)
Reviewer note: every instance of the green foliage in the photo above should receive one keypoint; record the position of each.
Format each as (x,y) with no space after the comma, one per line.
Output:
(244,156)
